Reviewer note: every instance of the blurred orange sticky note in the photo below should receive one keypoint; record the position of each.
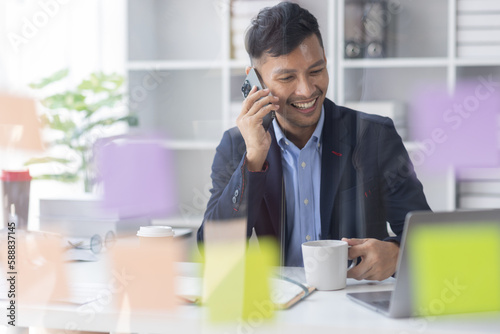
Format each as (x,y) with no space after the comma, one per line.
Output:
(19,124)
(150,272)
(40,272)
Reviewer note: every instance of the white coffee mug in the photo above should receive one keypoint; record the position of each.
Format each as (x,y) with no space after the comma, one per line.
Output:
(325,263)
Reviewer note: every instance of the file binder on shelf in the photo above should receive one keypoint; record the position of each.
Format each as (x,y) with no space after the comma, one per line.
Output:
(365,29)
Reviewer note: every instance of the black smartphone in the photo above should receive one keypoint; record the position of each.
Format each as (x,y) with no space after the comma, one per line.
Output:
(253,79)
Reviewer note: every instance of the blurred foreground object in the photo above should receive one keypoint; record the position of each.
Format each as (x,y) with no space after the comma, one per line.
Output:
(16,195)
(19,125)
(237,277)
(138,177)
(461,129)
(456,271)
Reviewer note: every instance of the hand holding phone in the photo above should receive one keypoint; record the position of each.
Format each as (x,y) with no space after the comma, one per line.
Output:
(253,79)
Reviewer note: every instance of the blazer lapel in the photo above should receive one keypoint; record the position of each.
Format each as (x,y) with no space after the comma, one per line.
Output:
(273,195)
(336,151)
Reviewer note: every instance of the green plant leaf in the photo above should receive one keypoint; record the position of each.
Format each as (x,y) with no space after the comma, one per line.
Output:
(133,120)
(53,78)
(44,160)
(64,177)
(67,100)
(65,126)
(102,122)
(76,112)
(109,101)
(99,82)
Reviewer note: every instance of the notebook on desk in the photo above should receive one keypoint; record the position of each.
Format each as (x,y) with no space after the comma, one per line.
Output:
(441,269)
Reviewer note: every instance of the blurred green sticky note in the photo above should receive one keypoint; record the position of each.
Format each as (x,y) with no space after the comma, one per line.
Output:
(455,270)
(236,285)
(257,304)
(223,283)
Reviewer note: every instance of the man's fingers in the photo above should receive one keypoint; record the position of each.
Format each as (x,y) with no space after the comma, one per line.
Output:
(252,104)
(359,271)
(262,103)
(266,110)
(354,241)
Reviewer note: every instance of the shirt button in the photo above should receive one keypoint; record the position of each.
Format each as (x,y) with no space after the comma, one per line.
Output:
(308,237)
(287,143)
(306,201)
(236,192)
(303,165)
(234,200)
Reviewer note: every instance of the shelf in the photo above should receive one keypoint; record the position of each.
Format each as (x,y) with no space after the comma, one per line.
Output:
(477,61)
(190,144)
(395,62)
(347,63)
(173,65)
(239,64)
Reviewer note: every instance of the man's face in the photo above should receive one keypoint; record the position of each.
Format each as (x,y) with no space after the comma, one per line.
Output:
(300,80)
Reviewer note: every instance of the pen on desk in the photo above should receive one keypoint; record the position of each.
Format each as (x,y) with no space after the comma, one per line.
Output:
(194,300)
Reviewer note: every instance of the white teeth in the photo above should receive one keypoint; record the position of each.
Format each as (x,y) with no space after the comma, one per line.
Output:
(304,105)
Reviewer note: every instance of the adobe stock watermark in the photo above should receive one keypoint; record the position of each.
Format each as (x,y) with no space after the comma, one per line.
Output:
(148,83)
(453,119)
(103,298)
(31,26)
(383,18)
(260,316)
(198,203)
(256,318)
(451,292)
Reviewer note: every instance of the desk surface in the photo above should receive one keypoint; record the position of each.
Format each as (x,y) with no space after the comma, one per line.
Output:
(321,312)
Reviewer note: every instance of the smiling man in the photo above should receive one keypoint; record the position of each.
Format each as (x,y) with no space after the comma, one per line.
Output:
(322,171)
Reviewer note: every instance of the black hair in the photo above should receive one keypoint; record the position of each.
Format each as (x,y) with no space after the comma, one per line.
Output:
(278,30)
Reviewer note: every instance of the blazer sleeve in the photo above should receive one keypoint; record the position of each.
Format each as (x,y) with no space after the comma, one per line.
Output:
(401,190)
(231,182)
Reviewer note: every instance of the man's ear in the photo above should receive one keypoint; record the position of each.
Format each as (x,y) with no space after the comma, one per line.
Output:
(247,69)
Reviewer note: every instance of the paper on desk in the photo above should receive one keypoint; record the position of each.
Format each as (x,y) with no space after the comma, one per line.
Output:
(19,124)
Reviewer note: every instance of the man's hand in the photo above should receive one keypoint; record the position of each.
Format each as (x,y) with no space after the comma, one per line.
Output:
(379,258)
(257,140)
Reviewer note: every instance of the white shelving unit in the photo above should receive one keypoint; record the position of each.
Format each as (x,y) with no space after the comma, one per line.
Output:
(186,47)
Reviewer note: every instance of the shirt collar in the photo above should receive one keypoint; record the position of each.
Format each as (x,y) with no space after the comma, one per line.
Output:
(316,136)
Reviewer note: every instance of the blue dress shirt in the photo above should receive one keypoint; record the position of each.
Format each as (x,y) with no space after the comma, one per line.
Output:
(302,177)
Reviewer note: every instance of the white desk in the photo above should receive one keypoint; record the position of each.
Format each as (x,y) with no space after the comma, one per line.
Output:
(321,312)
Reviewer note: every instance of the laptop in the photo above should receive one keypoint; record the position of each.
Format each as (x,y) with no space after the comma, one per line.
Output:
(398,303)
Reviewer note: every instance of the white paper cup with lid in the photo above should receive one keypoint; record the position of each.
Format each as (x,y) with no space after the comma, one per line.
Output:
(155,235)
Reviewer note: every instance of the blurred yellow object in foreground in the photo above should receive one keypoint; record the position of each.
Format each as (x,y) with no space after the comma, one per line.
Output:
(457,272)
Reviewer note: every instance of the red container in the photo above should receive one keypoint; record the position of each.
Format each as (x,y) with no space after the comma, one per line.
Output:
(16,190)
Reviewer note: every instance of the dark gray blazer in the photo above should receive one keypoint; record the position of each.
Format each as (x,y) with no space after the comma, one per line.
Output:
(367,179)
